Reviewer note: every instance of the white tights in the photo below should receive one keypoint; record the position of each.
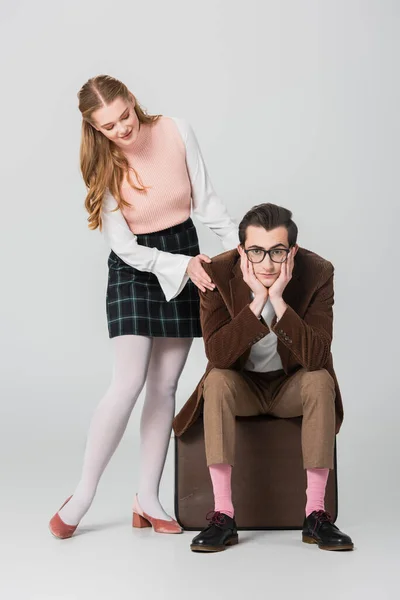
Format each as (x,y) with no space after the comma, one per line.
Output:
(158,362)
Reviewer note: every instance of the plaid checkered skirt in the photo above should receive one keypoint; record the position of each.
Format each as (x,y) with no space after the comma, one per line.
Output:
(136,304)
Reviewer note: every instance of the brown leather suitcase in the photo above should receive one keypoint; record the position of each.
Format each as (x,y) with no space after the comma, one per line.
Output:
(268,481)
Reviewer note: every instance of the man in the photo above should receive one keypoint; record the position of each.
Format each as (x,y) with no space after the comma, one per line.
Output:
(267,329)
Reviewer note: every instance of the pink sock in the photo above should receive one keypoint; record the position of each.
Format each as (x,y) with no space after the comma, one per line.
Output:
(316,484)
(221,481)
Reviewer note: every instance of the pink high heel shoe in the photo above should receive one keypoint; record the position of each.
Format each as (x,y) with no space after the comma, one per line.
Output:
(60,529)
(141,519)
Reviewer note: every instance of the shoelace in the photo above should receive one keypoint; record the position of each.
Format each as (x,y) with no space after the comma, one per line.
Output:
(321,516)
(215,518)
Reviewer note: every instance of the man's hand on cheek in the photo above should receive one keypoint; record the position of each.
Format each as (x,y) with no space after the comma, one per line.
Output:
(250,278)
(277,288)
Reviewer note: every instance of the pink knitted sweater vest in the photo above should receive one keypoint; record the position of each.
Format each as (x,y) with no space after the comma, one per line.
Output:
(158,155)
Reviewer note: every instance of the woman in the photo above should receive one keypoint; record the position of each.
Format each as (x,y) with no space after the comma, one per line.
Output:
(143,175)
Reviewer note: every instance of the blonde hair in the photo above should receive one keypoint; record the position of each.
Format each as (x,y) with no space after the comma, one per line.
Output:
(103,164)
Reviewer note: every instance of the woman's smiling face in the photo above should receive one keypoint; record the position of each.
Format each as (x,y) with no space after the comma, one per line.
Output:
(118,122)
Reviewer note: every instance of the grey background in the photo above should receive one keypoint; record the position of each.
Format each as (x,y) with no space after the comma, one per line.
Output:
(294,102)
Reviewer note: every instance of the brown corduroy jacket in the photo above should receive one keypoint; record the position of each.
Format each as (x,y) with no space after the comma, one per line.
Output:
(230,328)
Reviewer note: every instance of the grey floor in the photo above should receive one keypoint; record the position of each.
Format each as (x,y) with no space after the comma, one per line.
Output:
(107,559)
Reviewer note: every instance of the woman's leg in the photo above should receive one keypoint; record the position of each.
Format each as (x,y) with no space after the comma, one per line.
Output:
(132,356)
(168,358)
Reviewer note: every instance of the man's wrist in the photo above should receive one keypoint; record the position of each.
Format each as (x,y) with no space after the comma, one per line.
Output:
(279,306)
(257,304)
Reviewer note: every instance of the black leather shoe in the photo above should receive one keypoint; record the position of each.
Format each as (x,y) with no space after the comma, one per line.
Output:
(318,528)
(220,533)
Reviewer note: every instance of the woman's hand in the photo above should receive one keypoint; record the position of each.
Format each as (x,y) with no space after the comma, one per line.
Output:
(197,274)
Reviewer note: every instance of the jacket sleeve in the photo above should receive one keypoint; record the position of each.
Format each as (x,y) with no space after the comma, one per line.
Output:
(227,338)
(169,268)
(207,206)
(309,339)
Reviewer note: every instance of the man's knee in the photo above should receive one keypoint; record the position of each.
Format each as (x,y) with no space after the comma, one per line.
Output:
(217,378)
(218,388)
(319,385)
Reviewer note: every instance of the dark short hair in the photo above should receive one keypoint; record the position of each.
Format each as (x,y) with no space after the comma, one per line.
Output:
(268,216)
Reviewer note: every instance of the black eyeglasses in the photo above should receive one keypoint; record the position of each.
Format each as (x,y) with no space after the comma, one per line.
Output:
(277,255)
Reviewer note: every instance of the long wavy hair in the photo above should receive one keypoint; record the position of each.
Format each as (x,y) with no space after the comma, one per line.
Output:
(103,165)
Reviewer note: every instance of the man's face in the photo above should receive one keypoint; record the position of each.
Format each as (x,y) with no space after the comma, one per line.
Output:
(257,240)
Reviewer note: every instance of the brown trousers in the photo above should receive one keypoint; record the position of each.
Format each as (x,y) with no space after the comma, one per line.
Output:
(310,394)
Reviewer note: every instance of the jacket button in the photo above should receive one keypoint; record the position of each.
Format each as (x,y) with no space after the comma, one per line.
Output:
(290,341)
(280,331)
